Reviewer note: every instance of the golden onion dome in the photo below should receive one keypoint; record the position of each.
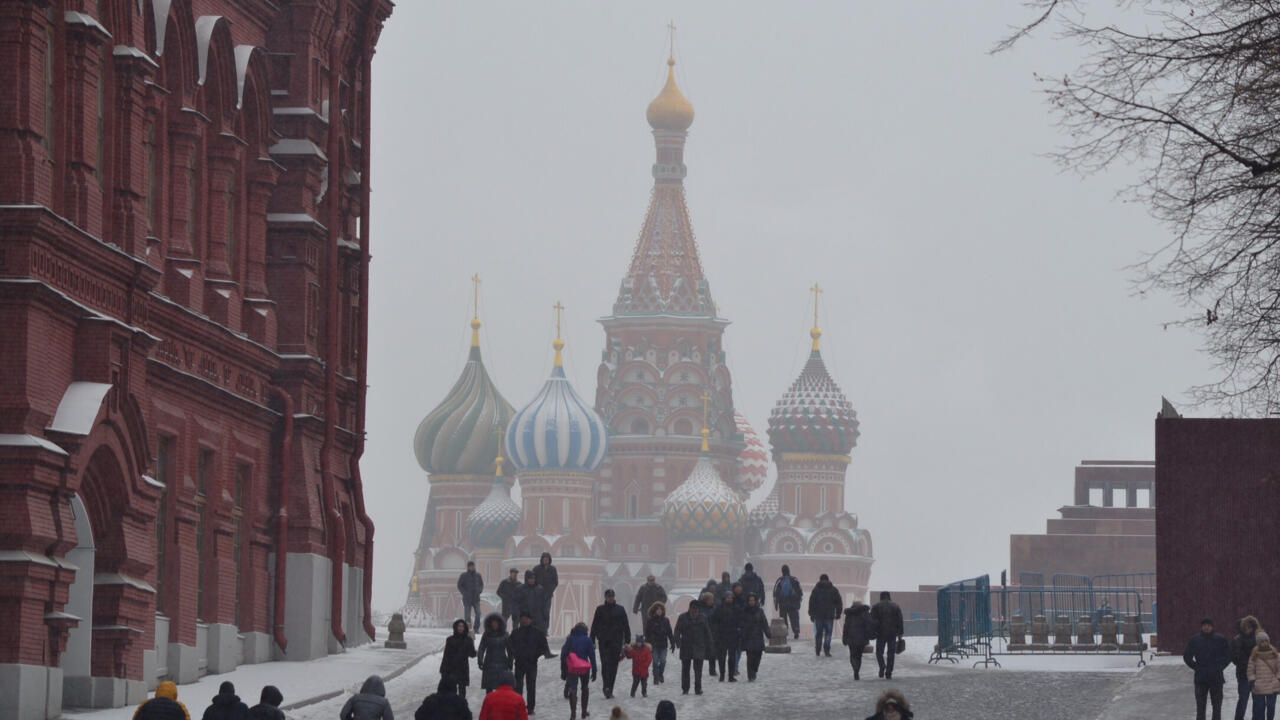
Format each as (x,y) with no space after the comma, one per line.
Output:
(671,110)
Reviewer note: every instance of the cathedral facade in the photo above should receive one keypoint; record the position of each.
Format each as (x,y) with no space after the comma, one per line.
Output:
(654,477)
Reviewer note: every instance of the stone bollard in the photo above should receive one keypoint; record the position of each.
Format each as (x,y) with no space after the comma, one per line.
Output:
(395,633)
(1084,635)
(1062,633)
(1109,631)
(1017,633)
(778,635)
(1039,633)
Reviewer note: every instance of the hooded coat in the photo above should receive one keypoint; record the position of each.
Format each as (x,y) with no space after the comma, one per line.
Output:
(444,704)
(755,629)
(368,704)
(858,631)
(545,575)
(657,629)
(579,643)
(1263,670)
(455,664)
(903,708)
(226,705)
(1243,643)
(164,706)
(269,708)
(693,637)
(492,652)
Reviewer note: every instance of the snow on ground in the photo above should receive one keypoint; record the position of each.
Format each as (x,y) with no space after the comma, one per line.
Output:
(297,680)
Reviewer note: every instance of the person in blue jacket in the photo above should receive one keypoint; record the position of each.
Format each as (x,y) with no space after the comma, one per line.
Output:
(580,644)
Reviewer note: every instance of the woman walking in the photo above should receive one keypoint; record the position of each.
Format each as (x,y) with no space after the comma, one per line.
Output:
(577,668)
(1264,676)
(492,655)
(657,630)
(755,635)
(458,651)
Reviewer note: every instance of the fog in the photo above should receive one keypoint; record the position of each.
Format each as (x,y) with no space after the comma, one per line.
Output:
(978,310)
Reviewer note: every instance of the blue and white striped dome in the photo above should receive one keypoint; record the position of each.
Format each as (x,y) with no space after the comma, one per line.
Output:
(556,430)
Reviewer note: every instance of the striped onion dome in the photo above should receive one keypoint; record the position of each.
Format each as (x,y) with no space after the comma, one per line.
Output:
(813,416)
(753,460)
(495,519)
(704,507)
(461,436)
(764,512)
(557,430)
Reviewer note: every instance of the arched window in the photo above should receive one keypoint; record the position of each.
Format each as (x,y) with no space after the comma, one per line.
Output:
(151,166)
(231,205)
(193,177)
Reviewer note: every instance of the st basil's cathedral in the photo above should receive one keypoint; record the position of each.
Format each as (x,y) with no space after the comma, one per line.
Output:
(654,478)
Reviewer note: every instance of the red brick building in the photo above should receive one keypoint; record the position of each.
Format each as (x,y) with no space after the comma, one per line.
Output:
(184,245)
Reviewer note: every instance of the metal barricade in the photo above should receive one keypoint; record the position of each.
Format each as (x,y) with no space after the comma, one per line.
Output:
(964,620)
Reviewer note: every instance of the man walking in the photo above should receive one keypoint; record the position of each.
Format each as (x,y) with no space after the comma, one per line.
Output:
(611,631)
(693,637)
(471,584)
(1242,646)
(752,584)
(786,600)
(649,594)
(825,605)
(528,644)
(532,598)
(507,591)
(1208,654)
(886,618)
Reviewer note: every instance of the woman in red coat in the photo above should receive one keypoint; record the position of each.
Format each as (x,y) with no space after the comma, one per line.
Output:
(504,703)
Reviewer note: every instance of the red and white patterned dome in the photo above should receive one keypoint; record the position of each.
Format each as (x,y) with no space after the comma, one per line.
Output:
(753,461)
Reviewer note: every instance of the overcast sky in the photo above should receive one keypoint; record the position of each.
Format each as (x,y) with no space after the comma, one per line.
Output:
(978,310)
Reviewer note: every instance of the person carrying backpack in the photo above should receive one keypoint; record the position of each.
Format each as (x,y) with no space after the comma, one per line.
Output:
(786,600)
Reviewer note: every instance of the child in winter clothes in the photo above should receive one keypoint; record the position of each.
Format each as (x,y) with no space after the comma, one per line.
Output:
(1264,676)
(641,654)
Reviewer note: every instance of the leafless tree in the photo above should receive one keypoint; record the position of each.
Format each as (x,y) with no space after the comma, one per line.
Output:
(1192,100)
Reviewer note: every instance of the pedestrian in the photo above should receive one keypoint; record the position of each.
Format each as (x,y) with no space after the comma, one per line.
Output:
(1264,677)
(164,705)
(507,591)
(710,589)
(666,711)
(368,704)
(444,704)
(886,618)
(548,578)
(503,703)
(725,586)
(528,644)
(1241,652)
(268,707)
(1208,654)
(892,705)
(492,654)
(724,629)
(471,585)
(786,600)
(754,635)
(577,664)
(693,637)
(825,605)
(532,598)
(611,631)
(226,705)
(648,594)
(641,655)
(709,604)
(455,665)
(752,584)
(857,634)
(657,630)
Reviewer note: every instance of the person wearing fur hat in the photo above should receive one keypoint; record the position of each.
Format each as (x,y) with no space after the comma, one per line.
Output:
(1263,674)
(892,705)
(1241,651)
(640,653)
(657,630)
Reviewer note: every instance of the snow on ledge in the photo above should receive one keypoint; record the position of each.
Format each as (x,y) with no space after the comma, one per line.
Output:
(79,407)
(7,440)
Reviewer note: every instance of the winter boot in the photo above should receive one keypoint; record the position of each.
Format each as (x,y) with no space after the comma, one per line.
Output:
(573,706)
(585,714)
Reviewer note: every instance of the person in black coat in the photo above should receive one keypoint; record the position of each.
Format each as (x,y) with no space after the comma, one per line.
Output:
(268,707)
(455,665)
(1208,654)
(787,597)
(611,631)
(471,585)
(548,578)
(226,705)
(752,584)
(857,633)
(164,706)
(507,591)
(491,652)
(528,644)
(532,598)
(725,621)
(1242,646)
(443,704)
(657,630)
(825,604)
(754,635)
(648,594)
(725,586)
(886,618)
(693,636)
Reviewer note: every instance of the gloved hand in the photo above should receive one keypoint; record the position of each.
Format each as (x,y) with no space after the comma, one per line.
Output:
(593,676)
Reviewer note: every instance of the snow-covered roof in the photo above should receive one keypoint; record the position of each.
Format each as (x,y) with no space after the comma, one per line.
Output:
(15,440)
(79,407)
(297,146)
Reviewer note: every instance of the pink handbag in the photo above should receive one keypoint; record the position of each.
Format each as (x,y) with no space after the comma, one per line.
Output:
(576,665)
